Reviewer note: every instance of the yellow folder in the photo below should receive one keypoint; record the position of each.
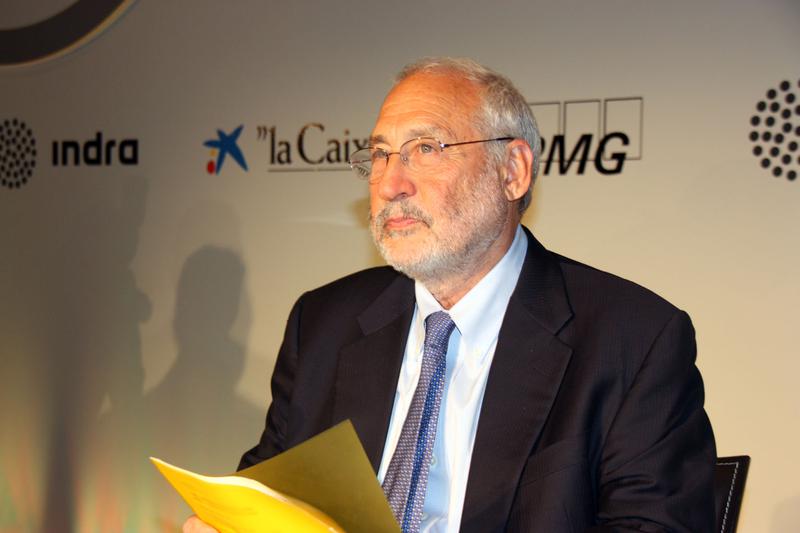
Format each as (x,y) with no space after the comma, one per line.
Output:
(323,485)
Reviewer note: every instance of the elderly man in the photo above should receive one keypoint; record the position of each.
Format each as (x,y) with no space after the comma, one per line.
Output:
(496,386)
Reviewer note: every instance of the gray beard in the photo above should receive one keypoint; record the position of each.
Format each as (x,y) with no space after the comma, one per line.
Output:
(451,256)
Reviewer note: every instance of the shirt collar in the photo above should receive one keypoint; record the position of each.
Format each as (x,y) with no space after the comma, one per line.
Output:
(479,313)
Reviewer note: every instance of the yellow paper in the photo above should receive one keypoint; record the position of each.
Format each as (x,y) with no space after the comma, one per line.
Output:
(328,475)
(233,504)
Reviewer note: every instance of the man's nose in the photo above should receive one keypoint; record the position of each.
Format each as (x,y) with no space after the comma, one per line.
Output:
(396,182)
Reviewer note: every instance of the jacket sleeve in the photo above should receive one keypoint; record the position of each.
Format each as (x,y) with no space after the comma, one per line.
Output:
(273,439)
(657,465)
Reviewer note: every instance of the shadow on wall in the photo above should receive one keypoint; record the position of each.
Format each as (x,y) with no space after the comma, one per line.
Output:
(73,310)
(70,318)
(195,409)
(97,349)
(190,418)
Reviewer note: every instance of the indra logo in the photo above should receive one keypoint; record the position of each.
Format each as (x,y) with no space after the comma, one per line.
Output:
(776,130)
(225,145)
(19,150)
(17,153)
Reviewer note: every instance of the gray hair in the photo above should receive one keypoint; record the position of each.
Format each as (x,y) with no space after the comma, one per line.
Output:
(504,111)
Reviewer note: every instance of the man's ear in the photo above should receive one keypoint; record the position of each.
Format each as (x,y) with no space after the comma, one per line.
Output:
(517,169)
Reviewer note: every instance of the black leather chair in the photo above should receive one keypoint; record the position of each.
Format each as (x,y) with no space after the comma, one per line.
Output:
(729,478)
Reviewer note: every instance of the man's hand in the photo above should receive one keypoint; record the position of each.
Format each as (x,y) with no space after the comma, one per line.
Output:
(195,525)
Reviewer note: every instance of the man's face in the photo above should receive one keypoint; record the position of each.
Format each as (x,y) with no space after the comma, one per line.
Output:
(442,223)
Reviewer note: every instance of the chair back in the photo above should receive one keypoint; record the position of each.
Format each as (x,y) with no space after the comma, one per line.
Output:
(729,478)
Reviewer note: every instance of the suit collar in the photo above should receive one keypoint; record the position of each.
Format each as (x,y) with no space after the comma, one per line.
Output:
(528,367)
(541,288)
(390,305)
(366,377)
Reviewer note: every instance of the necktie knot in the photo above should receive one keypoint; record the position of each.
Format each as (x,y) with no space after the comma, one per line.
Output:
(438,327)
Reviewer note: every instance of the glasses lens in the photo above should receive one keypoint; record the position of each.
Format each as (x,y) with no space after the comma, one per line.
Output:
(423,153)
(361,163)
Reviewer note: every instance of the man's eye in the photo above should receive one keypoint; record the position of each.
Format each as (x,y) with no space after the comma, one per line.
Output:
(379,154)
(426,148)
(362,171)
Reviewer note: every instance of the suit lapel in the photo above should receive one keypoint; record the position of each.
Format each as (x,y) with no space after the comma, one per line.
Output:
(368,369)
(527,369)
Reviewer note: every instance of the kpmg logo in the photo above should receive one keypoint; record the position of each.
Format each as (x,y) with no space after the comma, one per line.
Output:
(17,153)
(775,130)
(598,133)
(226,144)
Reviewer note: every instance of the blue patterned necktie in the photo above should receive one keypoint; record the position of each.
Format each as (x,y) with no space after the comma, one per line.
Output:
(407,476)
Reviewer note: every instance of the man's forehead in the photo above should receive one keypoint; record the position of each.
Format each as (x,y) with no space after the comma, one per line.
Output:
(425,105)
(441,133)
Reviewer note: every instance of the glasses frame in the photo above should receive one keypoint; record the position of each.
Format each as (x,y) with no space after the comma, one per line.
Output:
(405,160)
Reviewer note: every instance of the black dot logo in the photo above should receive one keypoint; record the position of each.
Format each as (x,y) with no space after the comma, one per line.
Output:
(17,153)
(775,130)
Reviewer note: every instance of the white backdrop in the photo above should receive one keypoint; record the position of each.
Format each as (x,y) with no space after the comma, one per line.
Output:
(142,305)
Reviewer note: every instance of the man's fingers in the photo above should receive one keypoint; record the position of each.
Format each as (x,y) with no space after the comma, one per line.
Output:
(195,525)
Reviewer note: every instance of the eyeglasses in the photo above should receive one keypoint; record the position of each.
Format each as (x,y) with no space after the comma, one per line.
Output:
(418,155)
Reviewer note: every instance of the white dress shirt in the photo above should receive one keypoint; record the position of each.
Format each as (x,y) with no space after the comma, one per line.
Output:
(478,316)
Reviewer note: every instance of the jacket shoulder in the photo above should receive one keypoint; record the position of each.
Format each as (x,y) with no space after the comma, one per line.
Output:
(594,291)
(354,291)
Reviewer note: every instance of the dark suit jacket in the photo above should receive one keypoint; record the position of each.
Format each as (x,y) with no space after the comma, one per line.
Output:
(593,414)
